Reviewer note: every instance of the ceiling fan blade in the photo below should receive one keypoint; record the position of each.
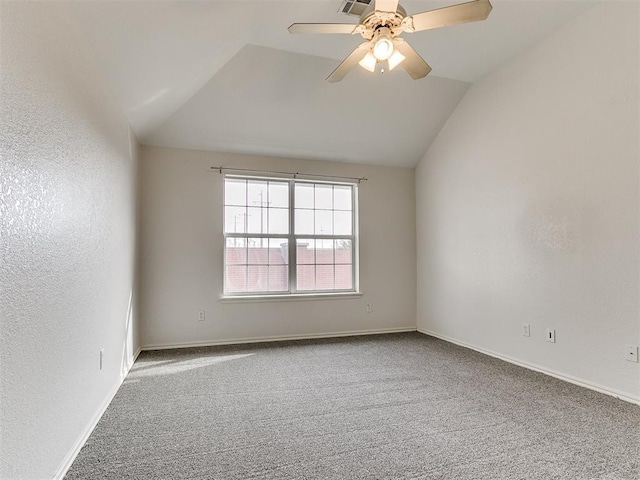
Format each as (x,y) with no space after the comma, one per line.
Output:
(442,17)
(386,5)
(349,62)
(413,63)
(323,28)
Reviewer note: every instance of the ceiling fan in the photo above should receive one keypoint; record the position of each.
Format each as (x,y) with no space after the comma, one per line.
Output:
(381,25)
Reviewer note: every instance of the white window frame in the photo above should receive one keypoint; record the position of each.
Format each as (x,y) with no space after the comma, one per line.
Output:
(292,239)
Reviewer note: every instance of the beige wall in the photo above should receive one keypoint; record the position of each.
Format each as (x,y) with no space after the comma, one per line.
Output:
(527,207)
(182,254)
(67,240)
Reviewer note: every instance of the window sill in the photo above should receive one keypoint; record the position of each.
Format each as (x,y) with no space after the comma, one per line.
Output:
(295,297)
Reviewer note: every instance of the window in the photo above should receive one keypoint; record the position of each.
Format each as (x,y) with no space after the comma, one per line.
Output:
(288,236)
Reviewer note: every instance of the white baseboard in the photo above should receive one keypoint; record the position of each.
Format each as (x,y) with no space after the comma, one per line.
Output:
(536,368)
(75,450)
(235,341)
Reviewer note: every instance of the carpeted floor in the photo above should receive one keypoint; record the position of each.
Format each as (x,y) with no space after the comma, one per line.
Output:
(401,406)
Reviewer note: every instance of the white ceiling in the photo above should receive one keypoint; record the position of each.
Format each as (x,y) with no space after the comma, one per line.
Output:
(226,75)
(278,103)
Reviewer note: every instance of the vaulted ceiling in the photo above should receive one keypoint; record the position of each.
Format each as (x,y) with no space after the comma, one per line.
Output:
(227,76)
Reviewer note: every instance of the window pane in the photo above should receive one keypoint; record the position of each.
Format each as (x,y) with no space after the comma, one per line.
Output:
(343,253)
(324,222)
(278,220)
(257,193)
(262,208)
(257,278)
(324,277)
(236,251)
(304,222)
(341,223)
(343,277)
(235,192)
(324,197)
(236,279)
(305,251)
(342,198)
(305,277)
(256,220)
(279,194)
(278,278)
(304,195)
(278,251)
(324,251)
(234,219)
(258,251)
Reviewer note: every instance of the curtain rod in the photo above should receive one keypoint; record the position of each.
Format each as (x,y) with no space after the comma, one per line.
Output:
(293,174)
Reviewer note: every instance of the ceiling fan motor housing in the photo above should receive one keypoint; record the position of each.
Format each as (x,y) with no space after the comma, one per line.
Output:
(372,20)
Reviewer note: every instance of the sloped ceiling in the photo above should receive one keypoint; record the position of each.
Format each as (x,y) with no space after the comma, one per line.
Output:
(278,103)
(226,75)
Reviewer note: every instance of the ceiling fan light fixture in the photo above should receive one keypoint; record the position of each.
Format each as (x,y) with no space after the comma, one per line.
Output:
(381,24)
(395,59)
(383,49)
(369,62)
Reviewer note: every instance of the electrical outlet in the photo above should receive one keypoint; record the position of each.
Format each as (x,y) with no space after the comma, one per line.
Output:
(526,330)
(369,308)
(551,335)
(101,357)
(201,315)
(632,353)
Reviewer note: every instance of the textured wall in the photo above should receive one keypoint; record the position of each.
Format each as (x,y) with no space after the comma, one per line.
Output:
(182,253)
(527,206)
(67,238)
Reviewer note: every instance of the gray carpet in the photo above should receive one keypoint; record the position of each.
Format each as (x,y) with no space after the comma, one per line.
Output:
(402,406)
